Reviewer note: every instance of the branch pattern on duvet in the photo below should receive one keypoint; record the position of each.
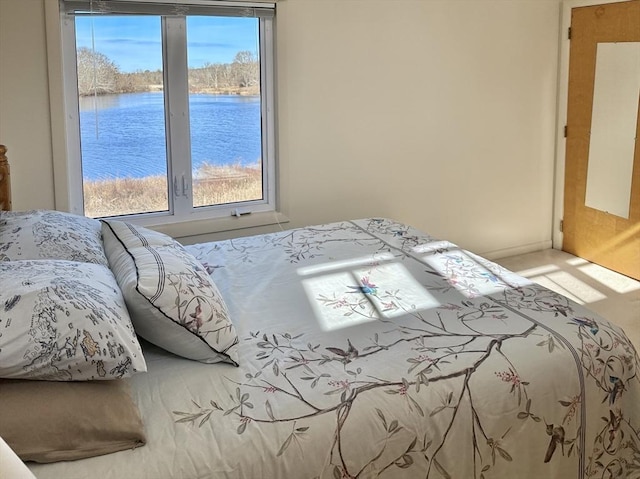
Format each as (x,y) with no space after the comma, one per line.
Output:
(477,374)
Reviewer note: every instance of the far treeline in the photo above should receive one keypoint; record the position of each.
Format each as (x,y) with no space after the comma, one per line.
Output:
(98,75)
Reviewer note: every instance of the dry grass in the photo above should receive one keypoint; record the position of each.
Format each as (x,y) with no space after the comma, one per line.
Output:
(212,185)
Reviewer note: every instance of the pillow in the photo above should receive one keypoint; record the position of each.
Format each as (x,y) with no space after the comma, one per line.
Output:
(173,302)
(50,235)
(45,421)
(64,321)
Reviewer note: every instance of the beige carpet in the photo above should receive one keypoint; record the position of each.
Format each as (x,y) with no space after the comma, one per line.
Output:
(614,296)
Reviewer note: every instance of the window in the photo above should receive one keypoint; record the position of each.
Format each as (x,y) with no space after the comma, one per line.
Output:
(174,107)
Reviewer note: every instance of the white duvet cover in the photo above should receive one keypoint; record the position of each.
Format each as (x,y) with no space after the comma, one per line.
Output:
(369,349)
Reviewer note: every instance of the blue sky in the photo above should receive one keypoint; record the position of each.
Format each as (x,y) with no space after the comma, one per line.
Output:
(134,43)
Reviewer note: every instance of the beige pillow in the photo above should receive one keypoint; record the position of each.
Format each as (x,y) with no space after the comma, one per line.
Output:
(46,421)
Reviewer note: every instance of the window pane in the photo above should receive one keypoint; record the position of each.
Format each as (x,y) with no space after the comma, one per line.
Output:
(225,109)
(122,123)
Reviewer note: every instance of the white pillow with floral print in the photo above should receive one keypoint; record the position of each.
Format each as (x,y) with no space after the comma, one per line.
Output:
(173,302)
(43,234)
(64,321)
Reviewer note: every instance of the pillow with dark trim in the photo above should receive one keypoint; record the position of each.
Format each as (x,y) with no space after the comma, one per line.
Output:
(45,421)
(172,300)
(43,234)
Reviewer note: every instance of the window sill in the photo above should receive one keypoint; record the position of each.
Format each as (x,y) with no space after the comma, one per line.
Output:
(220,226)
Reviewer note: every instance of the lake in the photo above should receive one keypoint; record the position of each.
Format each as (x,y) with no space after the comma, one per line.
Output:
(129,140)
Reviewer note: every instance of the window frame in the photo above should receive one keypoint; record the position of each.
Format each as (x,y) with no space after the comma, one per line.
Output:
(197,220)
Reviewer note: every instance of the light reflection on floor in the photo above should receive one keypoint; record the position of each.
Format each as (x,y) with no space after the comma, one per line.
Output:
(612,295)
(564,282)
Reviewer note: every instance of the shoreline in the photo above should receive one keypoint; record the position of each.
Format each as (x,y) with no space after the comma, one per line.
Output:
(241,91)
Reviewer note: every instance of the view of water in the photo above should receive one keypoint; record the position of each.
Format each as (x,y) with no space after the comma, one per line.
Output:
(130,138)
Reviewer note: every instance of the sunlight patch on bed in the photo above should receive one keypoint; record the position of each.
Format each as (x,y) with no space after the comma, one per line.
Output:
(396,290)
(334,308)
(345,264)
(345,293)
(464,272)
(435,247)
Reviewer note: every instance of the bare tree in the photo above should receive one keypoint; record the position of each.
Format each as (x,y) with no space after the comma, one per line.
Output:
(212,74)
(245,68)
(96,73)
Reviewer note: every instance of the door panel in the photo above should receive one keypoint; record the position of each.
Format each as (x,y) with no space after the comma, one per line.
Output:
(600,236)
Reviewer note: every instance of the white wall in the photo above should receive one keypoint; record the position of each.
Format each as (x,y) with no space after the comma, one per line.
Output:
(25,127)
(439,113)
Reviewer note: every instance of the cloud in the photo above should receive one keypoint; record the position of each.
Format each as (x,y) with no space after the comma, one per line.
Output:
(131,42)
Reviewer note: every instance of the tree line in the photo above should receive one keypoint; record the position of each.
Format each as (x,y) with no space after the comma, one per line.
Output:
(99,75)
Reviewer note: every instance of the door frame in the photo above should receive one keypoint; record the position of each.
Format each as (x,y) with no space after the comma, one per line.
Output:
(561,117)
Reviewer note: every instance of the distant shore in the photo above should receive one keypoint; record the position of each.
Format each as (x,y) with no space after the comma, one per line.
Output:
(156,88)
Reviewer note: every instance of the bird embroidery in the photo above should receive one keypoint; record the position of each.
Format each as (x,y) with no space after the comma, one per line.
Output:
(616,390)
(558,308)
(346,356)
(557,437)
(489,276)
(589,323)
(195,323)
(210,268)
(366,287)
(614,425)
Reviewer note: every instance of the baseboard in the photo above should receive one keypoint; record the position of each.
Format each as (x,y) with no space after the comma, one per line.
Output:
(516,250)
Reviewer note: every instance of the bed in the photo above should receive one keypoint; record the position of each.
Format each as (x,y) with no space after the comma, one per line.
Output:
(367,348)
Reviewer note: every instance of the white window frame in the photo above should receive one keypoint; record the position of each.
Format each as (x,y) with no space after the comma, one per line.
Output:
(182,219)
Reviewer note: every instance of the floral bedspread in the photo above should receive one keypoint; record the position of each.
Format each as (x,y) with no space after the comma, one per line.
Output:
(369,349)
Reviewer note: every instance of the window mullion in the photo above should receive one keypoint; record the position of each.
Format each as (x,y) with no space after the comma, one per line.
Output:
(177,113)
(73,177)
(267,76)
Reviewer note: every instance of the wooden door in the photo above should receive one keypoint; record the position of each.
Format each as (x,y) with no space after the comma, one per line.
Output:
(608,239)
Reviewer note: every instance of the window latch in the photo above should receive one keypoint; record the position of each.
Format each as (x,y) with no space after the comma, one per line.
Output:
(185,186)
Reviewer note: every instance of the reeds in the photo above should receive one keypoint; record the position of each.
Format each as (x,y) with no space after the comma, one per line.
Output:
(212,185)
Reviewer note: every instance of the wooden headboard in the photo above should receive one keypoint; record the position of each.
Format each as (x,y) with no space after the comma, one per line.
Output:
(5,180)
